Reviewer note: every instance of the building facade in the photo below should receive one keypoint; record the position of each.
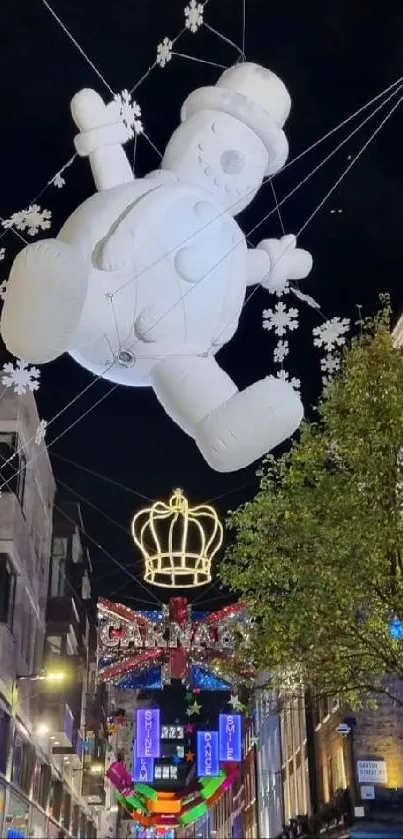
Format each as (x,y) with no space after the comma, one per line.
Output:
(235,814)
(269,763)
(338,769)
(41,719)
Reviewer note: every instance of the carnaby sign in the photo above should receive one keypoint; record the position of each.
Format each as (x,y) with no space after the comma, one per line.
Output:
(121,636)
(150,648)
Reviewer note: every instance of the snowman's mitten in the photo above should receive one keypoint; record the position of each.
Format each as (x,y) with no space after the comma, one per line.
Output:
(287,262)
(102,134)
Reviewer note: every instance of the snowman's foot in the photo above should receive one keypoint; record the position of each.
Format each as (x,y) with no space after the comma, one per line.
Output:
(250,424)
(45,296)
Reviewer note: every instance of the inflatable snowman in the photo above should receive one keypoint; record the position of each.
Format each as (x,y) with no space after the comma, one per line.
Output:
(146,280)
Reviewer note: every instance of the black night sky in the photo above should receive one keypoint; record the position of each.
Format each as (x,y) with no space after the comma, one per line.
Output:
(333,57)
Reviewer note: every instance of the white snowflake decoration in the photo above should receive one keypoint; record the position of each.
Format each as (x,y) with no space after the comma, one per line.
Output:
(284,376)
(194,16)
(280,319)
(130,113)
(40,432)
(330,364)
(2,253)
(331,333)
(20,377)
(280,292)
(58,181)
(32,220)
(164,52)
(280,351)
(3,290)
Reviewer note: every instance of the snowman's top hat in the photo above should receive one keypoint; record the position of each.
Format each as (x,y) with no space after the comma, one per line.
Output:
(255,96)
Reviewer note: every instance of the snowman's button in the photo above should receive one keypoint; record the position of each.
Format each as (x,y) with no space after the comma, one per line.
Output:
(205,212)
(189,264)
(148,325)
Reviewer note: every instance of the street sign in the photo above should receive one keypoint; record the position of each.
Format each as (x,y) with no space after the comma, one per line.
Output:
(372,772)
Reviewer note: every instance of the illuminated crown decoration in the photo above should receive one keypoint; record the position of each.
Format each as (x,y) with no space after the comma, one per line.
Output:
(177,542)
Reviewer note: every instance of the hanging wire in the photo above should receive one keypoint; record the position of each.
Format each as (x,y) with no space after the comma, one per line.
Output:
(106,516)
(225,39)
(249,232)
(259,223)
(287,165)
(321,203)
(109,556)
(279,213)
(244,29)
(200,60)
(77,45)
(95,474)
(90,63)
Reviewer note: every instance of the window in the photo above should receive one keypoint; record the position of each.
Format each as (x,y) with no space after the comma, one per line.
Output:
(4,740)
(46,780)
(7,591)
(76,547)
(28,636)
(330,776)
(66,810)
(54,644)
(16,773)
(85,587)
(55,799)
(27,766)
(58,569)
(13,465)
(36,780)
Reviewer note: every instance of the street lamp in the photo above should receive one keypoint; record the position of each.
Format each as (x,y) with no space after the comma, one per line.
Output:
(42,729)
(95,768)
(51,676)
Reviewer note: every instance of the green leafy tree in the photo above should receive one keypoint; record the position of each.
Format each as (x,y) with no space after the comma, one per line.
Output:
(317,554)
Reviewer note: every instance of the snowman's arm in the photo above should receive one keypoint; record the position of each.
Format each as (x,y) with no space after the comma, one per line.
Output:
(101,136)
(276,261)
(257,267)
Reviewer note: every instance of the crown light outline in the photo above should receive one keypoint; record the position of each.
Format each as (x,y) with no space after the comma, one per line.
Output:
(178,542)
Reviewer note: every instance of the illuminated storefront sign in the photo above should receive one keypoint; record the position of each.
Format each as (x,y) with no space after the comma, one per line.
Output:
(207,754)
(148,732)
(143,769)
(230,737)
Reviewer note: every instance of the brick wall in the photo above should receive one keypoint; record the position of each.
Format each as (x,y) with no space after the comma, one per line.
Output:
(378,735)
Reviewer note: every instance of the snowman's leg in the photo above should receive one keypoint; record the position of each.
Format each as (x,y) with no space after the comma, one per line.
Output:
(231,428)
(45,296)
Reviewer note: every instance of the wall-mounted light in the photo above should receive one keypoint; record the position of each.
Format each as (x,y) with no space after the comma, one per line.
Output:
(42,729)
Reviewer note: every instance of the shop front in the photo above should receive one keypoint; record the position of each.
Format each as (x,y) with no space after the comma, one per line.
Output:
(37,823)
(2,806)
(54,830)
(16,817)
